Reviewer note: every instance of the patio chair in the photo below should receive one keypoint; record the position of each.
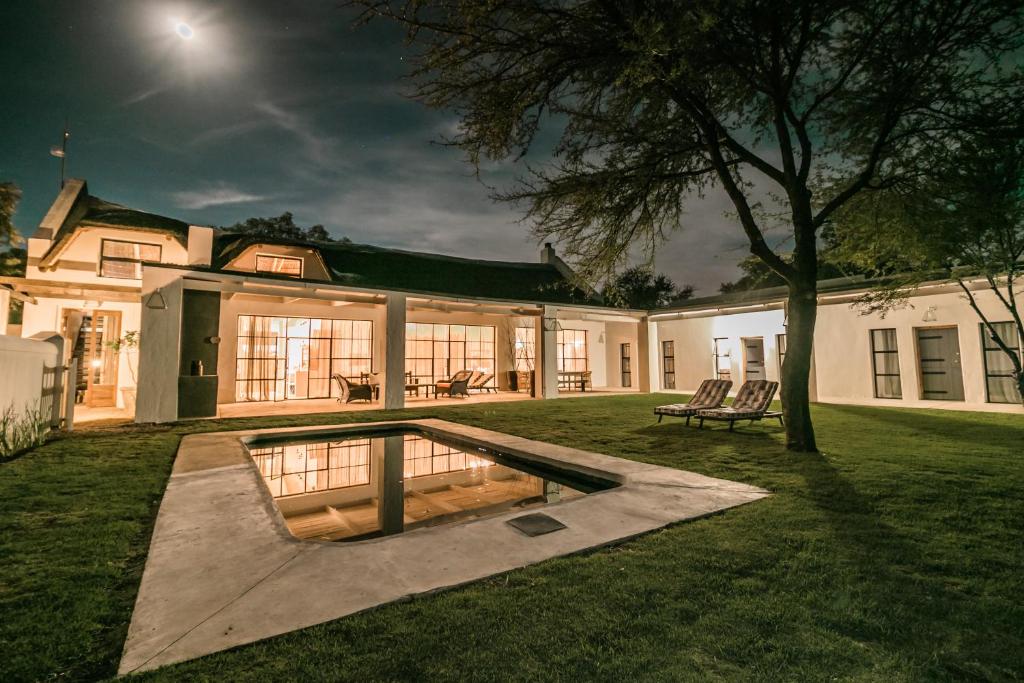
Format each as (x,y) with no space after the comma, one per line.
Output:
(373,379)
(751,403)
(352,392)
(456,385)
(479,383)
(710,394)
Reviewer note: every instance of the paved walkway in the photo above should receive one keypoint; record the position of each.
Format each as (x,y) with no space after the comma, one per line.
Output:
(223,570)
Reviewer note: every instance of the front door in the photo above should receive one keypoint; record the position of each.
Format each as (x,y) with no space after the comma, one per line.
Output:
(753,358)
(93,335)
(938,353)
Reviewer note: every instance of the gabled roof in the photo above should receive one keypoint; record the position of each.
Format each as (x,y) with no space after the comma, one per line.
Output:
(76,208)
(362,265)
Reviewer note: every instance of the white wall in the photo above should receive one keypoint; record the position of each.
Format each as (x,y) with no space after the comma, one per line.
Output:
(843,351)
(694,345)
(21,371)
(842,364)
(617,334)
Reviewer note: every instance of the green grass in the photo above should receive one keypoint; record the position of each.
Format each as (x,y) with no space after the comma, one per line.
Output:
(896,556)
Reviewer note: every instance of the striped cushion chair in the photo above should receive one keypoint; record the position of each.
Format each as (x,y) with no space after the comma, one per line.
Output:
(751,403)
(710,394)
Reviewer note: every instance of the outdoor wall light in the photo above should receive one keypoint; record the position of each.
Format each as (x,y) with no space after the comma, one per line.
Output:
(156,301)
(929,314)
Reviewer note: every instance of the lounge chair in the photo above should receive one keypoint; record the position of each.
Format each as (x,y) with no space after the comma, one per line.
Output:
(710,394)
(352,392)
(457,385)
(479,383)
(751,403)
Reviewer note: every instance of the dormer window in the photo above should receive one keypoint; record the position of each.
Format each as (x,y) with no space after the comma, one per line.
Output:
(124,260)
(279,265)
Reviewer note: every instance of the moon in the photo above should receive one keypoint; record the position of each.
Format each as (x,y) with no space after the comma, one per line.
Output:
(183,30)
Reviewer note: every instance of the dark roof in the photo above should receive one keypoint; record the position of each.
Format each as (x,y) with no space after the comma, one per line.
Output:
(361,265)
(108,214)
(93,211)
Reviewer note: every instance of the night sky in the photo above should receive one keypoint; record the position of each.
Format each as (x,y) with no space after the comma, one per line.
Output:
(270,107)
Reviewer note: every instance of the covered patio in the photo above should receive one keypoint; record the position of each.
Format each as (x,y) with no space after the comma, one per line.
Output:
(263,345)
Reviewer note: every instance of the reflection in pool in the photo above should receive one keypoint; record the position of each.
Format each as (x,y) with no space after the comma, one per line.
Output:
(351,488)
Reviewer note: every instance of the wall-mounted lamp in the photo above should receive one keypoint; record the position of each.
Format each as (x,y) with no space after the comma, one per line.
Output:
(929,314)
(156,301)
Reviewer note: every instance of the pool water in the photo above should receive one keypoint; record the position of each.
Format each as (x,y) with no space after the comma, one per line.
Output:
(357,486)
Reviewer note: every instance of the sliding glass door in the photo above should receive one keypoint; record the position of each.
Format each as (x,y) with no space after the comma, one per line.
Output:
(435,351)
(280,358)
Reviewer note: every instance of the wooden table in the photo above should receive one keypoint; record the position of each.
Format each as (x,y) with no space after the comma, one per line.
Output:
(574,379)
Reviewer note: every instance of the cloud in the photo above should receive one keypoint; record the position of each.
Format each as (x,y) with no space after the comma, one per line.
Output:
(214,196)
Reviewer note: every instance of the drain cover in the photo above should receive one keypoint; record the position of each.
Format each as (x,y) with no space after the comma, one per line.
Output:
(536,524)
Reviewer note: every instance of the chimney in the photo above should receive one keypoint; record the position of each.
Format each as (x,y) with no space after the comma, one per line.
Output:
(548,255)
(200,245)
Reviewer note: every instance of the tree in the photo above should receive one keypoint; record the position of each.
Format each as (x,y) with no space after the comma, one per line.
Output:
(658,101)
(757,274)
(639,287)
(962,216)
(10,195)
(284,227)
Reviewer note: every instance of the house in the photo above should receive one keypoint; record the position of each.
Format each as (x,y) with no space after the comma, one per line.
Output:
(227,319)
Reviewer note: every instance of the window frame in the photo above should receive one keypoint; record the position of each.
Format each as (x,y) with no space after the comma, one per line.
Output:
(122,259)
(625,365)
(666,372)
(259,255)
(563,340)
(413,359)
(986,339)
(874,364)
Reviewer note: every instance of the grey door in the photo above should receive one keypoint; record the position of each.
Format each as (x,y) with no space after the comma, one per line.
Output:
(938,352)
(753,358)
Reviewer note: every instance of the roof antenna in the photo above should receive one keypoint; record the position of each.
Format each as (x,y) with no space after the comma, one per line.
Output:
(62,151)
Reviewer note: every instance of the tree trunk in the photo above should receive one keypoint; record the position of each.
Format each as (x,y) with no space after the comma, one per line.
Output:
(1020,386)
(796,368)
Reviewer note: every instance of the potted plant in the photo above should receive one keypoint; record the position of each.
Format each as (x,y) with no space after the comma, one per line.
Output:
(128,344)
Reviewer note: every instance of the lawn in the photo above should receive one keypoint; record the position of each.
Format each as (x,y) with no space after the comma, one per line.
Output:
(896,555)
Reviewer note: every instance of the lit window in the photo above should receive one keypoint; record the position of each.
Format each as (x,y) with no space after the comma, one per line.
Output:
(279,265)
(124,259)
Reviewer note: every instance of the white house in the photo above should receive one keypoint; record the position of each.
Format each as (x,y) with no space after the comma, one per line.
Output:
(225,318)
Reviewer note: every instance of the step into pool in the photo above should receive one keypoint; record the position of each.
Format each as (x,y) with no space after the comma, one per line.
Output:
(381,482)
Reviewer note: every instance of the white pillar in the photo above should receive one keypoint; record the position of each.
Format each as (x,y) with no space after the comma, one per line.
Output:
(5,308)
(394,353)
(159,346)
(649,379)
(546,350)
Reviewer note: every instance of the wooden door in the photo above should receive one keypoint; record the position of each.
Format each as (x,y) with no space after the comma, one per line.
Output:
(753,358)
(99,330)
(938,353)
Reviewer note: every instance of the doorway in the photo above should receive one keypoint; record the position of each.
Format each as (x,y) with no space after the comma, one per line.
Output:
(753,358)
(938,354)
(91,336)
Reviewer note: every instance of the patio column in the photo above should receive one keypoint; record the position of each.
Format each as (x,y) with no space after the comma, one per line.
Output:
(546,349)
(647,356)
(394,353)
(5,308)
(159,346)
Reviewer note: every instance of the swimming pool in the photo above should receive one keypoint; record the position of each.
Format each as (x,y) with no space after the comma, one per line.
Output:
(360,485)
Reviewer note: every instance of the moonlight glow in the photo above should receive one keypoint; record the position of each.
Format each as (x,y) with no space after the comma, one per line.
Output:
(183,30)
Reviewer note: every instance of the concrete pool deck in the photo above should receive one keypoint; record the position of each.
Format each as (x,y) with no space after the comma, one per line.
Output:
(223,569)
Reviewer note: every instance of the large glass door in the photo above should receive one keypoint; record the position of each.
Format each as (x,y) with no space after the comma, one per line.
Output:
(282,358)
